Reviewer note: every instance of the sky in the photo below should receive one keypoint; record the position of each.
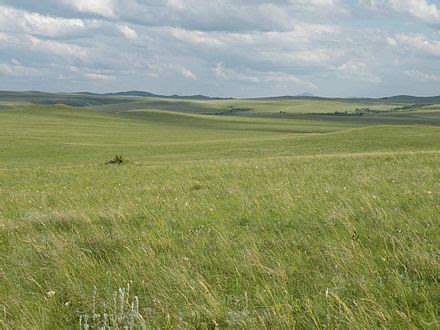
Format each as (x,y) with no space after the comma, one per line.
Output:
(228,48)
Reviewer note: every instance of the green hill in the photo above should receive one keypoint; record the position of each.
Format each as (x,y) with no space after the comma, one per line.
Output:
(233,220)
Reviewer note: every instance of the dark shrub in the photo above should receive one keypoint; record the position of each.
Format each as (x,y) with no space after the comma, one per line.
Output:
(118,159)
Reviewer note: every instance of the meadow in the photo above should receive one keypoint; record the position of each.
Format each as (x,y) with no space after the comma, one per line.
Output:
(225,214)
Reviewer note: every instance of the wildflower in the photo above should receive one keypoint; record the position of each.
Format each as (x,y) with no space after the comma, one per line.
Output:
(327,292)
(50,293)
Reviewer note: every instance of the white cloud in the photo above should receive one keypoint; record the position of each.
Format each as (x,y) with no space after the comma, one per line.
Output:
(28,44)
(300,33)
(98,76)
(57,48)
(166,69)
(187,73)
(257,77)
(417,8)
(4,36)
(227,15)
(319,56)
(15,20)
(422,76)
(391,41)
(229,74)
(324,4)
(357,71)
(305,44)
(266,46)
(127,31)
(105,8)
(416,42)
(17,70)
(176,4)
(420,9)
(317,3)
(196,37)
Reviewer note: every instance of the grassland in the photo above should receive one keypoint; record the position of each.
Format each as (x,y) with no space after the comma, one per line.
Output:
(253,107)
(268,221)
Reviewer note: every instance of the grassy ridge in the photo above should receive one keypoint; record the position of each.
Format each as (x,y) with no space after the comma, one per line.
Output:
(62,135)
(253,106)
(59,134)
(218,221)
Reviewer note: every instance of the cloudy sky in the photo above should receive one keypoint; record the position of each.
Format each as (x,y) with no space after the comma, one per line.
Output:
(237,48)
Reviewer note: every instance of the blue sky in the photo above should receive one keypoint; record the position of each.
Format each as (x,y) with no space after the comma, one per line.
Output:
(239,48)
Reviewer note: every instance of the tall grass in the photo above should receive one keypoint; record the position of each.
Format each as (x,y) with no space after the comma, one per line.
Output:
(337,230)
(331,242)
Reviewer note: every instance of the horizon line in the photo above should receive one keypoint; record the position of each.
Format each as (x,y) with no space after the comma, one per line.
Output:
(301,95)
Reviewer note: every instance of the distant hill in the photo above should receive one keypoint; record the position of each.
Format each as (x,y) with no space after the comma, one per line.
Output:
(413,99)
(72,99)
(84,99)
(148,94)
(391,99)
(81,99)
(289,97)
(132,93)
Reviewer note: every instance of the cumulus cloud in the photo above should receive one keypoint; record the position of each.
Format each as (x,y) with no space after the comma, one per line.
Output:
(256,77)
(304,44)
(357,71)
(16,69)
(187,73)
(417,43)
(225,48)
(105,8)
(14,20)
(98,76)
(156,70)
(422,76)
(57,48)
(332,5)
(312,56)
(420,9)
(127,31)
(31,45)
(176,4)
(226,15)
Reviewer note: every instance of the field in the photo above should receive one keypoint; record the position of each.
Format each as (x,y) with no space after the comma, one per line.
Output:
(265,213)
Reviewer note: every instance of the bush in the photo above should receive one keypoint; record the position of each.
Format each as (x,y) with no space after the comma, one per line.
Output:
(118,159)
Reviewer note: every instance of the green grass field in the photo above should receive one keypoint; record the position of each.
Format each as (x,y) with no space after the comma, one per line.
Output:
(230,221)
(254,107)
